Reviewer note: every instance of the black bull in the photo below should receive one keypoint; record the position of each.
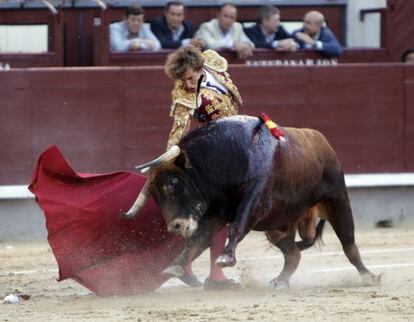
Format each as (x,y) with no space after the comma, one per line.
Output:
(233,171)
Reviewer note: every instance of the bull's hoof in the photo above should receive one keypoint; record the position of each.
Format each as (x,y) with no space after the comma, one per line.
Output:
(225,260)
(191,280)
(228,284)
(277,284)
(370,279)
(174,271)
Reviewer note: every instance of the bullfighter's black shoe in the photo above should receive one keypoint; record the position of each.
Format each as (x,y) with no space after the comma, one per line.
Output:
(191,280)
(229,284)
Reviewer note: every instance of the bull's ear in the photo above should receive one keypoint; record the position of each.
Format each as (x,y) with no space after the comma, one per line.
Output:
(182,161)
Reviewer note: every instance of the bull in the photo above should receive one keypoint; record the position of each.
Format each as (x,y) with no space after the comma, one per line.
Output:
(234,171)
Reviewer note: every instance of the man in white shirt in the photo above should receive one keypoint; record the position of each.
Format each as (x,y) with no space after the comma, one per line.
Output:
(132,34)
(225,32)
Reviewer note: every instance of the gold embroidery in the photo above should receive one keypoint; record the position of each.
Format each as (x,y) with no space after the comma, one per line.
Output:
(181,116)
(180,96)
(215,102)
(214,61)
(224,78)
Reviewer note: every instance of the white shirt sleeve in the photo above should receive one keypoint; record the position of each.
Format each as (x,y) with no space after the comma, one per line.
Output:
(119,41)
(117,37)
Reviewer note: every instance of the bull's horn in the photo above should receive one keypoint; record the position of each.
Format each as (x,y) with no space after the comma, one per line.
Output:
(140,202)
(171,154)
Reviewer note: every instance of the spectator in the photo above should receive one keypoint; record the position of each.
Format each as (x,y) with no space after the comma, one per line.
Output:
(132,33)
(408,56)
(225,32)
(171,29)
(268,33)
(316,35)
(203,92)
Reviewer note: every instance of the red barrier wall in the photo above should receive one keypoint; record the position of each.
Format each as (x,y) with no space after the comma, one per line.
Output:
(108,119)
(261,56)
(400,27)
(409,116)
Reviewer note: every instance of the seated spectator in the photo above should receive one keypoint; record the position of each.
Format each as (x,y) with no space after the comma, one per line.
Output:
(268,33)
(316,35)
(225,32)
(171,29)
(408,56)
(131,33)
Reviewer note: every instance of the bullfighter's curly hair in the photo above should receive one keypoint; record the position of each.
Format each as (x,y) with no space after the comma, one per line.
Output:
(183,59)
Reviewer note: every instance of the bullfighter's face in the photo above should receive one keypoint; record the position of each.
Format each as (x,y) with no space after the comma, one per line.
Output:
(180,204)
(190,79)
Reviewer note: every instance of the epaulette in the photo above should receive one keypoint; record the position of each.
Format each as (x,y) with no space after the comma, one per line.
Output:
(214,61)
(182,97)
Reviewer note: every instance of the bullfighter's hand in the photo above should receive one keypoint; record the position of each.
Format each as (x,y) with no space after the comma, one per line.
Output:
(305,38)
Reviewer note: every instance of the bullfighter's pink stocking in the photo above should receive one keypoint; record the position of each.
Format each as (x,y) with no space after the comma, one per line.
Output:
(216,248)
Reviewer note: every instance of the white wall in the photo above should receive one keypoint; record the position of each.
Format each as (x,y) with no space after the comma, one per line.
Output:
(23,38)
(366,33)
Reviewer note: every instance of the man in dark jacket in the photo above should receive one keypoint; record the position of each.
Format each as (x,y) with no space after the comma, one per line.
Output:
(316,35)
(269,33)
(171,29)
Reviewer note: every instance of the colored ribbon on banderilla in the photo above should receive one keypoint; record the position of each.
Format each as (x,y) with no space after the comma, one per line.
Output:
(272,126)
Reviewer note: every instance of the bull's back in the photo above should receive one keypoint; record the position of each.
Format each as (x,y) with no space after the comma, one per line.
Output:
(305,160)
(219,151)
(312,142)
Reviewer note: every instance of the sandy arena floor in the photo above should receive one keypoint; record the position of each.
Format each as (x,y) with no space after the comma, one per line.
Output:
(325,288)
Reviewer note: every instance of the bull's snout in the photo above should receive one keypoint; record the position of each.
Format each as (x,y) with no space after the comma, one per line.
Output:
(183,227)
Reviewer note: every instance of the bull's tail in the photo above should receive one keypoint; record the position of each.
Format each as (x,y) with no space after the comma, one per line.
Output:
(305,244)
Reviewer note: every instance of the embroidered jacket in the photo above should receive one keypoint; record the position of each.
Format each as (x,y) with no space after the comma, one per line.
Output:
(210,104)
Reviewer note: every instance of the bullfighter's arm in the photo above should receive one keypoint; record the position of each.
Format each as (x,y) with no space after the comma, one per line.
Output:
(181,124)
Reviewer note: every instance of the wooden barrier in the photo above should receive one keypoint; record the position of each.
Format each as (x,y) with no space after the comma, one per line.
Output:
(53,57)
(400,27)
(261,57)
(409,116)
(108,119)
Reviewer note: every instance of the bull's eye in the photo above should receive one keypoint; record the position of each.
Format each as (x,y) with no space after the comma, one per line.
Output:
(170,185)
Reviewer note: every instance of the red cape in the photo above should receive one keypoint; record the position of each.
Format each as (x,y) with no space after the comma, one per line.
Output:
(92,244)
